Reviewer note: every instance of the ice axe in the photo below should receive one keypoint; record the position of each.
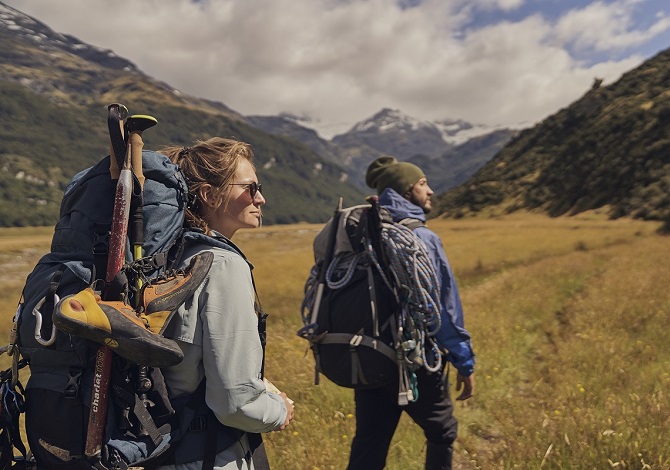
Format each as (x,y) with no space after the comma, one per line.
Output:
(120,168)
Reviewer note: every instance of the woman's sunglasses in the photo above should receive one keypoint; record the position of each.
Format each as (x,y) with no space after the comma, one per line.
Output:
(253,188)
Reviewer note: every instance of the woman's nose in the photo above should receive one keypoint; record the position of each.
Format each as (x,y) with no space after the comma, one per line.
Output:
(258,198)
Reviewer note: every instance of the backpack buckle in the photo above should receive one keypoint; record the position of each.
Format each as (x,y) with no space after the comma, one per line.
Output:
(199,423)
(72,386)
(355,341)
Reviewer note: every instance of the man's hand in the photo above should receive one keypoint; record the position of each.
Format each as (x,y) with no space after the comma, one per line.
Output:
(468,385)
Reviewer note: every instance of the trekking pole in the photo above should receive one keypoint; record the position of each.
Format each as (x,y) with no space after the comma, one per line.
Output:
(326,261)
(135,125)
(119,164)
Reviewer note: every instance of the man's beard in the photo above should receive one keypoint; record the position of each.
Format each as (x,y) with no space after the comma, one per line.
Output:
(426,209)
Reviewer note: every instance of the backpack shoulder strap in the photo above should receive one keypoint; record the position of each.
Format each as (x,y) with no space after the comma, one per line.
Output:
(196,236)
(411,223)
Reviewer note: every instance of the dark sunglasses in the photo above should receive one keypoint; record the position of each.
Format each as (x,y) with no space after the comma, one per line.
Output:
(253,188)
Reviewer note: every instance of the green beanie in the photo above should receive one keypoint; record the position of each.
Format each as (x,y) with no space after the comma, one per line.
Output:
(388,172)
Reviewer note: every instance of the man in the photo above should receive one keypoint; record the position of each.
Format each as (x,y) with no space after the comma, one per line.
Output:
(403,190)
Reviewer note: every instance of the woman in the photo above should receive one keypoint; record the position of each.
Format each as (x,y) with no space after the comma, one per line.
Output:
(219,329)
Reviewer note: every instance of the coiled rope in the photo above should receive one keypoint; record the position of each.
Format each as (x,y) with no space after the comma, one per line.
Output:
(420,292)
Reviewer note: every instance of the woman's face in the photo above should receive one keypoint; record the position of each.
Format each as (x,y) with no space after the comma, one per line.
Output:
(241,210)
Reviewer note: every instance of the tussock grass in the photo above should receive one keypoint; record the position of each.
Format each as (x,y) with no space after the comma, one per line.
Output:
(569,320)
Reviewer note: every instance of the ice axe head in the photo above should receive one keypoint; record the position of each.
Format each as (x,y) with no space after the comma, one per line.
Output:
(118,109)
(116,116)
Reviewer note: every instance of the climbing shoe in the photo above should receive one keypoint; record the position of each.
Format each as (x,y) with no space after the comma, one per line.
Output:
(116,325)
(162,296)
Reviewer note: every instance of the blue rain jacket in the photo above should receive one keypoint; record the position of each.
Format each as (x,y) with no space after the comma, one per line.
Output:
(452,334)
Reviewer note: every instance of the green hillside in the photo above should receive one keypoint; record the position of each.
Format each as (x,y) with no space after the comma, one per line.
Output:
(609,150)
(53,123)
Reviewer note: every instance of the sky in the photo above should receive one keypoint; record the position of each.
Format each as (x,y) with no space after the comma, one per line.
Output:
(337,62)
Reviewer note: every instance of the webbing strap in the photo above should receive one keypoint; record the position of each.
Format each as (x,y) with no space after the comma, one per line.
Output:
(317,363)
(367,341)
(210,446)
(356,369)
(100,251)
(404,392)
(141,413)
(373,301)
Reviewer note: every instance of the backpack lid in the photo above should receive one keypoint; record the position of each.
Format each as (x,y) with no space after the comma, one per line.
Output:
(348,232)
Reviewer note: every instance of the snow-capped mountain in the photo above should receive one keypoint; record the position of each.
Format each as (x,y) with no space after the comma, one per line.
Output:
(437,145)
(394,133)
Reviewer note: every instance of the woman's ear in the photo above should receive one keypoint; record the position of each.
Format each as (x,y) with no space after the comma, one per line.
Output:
(207,196)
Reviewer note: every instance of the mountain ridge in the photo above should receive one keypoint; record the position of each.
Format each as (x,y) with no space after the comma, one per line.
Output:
(609,150)
(54,92)
(439,144)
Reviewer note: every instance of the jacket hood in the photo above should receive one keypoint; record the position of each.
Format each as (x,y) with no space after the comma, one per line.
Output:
(399,207)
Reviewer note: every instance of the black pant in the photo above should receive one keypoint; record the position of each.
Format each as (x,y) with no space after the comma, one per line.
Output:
(378,413)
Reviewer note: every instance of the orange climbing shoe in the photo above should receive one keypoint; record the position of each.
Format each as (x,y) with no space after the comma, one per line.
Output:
(162,296)
(116,325)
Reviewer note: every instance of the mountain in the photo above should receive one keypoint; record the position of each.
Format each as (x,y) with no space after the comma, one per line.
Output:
(54,90)
(609,150)
(452,150)
(392,132)
(289,126)
(460,162)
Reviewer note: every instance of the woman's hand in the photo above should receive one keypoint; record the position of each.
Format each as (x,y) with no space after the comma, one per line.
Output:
(289,410)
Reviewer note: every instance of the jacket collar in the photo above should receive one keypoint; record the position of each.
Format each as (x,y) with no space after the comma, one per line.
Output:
(399,207)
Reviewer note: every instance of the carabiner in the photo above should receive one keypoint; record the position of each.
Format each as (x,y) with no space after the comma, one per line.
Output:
(38,323)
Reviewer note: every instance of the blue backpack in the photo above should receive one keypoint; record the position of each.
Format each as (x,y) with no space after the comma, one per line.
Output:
(142,429)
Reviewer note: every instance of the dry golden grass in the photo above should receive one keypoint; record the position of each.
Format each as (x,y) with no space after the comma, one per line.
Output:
(568,318)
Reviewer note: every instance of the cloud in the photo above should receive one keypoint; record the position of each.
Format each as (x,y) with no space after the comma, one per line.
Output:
(504,5)
(339,61)
(605,27)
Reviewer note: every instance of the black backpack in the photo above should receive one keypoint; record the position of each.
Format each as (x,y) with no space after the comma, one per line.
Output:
(372,303)
(143,428)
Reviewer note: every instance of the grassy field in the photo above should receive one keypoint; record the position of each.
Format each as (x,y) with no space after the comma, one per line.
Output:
(568,318)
